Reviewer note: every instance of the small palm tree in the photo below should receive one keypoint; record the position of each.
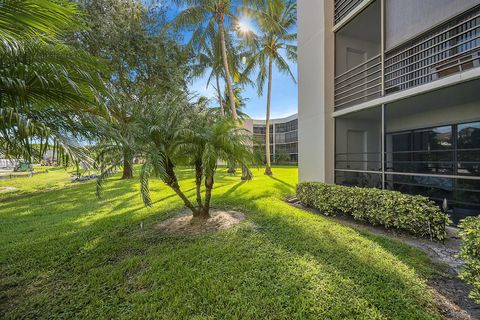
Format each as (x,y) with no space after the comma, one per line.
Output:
(174,132)
(275,21)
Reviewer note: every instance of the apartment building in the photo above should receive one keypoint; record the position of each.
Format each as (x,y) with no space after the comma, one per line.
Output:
(389,96)
(283,138)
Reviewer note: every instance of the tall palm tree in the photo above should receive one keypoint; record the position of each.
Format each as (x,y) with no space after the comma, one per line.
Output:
(209,58)
(209,17)
(211,20)
(48,90)
(274,45)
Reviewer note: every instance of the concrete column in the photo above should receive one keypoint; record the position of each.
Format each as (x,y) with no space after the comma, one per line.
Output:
(311,93)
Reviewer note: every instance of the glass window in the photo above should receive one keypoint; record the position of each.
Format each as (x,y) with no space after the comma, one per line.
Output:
(359,179)
(402,142)
(468,136)
(439,138)
(422,151)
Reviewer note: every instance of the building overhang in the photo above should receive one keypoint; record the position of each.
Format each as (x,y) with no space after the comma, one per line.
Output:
(428,87)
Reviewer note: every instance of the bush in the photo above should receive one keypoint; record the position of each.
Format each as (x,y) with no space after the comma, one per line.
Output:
(470,253)
(415,214)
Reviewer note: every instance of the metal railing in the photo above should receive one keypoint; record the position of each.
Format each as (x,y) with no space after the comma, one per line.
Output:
(343,8)
(359,84)
(450,48)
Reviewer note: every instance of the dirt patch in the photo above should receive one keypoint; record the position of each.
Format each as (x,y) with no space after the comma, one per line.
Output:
(450,293)
(5,189)
(184,223)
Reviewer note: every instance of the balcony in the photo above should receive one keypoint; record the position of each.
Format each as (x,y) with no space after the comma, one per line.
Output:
(451,48)
(359,84)
(343,8)
(358,62)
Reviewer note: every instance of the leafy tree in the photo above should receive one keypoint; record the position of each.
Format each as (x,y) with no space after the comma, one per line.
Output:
(48,90)
(276,40)
(142,59)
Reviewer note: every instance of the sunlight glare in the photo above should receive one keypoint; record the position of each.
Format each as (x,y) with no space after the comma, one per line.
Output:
(244,25)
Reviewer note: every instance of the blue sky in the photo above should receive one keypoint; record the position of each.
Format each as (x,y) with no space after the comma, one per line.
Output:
(284,93)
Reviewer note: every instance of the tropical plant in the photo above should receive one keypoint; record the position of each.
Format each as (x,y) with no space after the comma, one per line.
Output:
(174,132)
(274,45)
(48,90)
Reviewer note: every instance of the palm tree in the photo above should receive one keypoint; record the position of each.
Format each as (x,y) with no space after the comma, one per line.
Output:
(204,15)
(211,21)
(174,132)
(275,21)
(48,90)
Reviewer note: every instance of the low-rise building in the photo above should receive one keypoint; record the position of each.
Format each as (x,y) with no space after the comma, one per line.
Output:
(283,138)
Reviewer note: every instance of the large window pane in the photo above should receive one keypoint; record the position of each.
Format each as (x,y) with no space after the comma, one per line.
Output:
(421,151)
(469,136)
(439,138)
(359,179)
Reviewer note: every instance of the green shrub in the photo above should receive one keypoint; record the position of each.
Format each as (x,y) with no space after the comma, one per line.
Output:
(415,214)
(470,253)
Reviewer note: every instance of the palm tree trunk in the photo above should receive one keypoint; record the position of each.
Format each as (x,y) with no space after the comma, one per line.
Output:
(208,196)
(219,93)
(246,174)
(228,79)
(127,165)
(172,181)
(198,182)
(268,166)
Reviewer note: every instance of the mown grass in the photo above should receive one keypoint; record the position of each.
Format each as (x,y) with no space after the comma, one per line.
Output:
(41,181)
(65,254)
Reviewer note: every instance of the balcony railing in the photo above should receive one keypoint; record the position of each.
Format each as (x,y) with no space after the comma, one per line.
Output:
(359,84)
(451,48)
(343,8)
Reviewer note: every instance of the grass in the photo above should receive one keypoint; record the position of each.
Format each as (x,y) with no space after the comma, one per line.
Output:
(65,254)
(55,178)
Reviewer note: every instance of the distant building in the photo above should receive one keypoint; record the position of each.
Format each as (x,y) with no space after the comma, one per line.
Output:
(283,138)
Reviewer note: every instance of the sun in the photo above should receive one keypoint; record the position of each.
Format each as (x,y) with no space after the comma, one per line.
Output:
(244,25)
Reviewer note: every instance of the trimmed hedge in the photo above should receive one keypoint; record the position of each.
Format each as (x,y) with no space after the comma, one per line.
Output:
(415,214)
(470,253)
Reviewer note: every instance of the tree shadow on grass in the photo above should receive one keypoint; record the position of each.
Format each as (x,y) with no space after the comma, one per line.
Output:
(282,182)
(377,275)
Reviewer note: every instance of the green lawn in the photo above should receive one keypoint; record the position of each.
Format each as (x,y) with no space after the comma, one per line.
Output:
(65,254)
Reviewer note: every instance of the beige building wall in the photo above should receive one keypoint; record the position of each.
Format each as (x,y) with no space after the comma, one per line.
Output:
(315,77)
(311,91)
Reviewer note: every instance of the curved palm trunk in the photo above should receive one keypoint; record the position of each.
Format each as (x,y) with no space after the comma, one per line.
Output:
(172,181)
(268,166)
(228,79)
(219,93)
